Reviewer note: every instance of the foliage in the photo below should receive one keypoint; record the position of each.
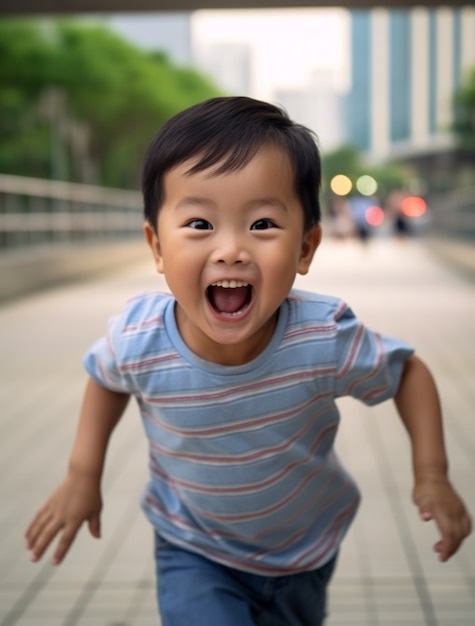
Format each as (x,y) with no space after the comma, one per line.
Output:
(344,160)
(350,161)
(78,102)
(390,176)
(464,100)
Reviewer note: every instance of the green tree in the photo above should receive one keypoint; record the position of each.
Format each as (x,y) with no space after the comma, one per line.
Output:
(349,161)
(465,112)
(78,102)
(346,160)
(26,59)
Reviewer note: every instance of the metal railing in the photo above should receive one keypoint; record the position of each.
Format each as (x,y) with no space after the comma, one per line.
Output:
(36,211)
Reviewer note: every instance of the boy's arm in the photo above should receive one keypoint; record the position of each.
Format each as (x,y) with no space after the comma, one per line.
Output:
(78,498)
(417,401)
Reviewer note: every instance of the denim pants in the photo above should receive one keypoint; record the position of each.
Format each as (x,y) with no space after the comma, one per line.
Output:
(194,591)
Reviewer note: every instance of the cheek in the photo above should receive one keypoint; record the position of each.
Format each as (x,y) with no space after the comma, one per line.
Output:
(283,258)
(182,270)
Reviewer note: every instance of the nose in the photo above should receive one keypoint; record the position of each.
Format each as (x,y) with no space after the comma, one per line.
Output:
(230,249)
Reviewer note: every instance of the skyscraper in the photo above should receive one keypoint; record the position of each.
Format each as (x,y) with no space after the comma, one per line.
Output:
(228,65)
(405,66)
(318,106)
(359,109)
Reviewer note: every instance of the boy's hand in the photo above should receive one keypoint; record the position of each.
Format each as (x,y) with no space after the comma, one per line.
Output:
(437,500)
(75,501)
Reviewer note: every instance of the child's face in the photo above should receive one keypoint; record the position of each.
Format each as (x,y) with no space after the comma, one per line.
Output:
(230,246)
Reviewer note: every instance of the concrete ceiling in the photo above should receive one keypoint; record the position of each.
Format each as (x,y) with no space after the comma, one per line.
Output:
(34,7)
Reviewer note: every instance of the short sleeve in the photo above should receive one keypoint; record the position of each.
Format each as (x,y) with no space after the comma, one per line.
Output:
(101,361)
(369,365)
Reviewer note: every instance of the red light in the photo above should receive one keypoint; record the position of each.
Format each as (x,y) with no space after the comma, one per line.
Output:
(374,215)
(413,206)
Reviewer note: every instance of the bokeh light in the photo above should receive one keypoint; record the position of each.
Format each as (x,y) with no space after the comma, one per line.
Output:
(413,206)
(374,215)
(366,185)
(341,185)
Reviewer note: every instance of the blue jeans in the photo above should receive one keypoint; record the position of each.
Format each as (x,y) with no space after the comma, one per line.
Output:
(194,591)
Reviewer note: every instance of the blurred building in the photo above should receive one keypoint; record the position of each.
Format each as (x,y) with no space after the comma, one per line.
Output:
(405,67)
(228,65)
(318,106)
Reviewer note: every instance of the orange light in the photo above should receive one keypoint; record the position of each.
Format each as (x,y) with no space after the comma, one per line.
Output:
(374,215)
(413,206)
(341,185)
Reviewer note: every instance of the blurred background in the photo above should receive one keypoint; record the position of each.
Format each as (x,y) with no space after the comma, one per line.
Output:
(390,93)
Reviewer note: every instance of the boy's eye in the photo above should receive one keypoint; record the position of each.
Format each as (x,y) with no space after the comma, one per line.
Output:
(263,224)
(199,224)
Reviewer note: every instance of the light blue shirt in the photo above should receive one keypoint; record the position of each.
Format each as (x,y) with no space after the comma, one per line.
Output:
(242,464)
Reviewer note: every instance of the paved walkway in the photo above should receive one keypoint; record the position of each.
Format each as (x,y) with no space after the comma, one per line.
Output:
(387,574)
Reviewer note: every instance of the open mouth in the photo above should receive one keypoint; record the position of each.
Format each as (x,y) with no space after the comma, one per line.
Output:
(230,297)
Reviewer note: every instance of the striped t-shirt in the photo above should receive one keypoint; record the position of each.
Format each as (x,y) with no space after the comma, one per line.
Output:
(242,465)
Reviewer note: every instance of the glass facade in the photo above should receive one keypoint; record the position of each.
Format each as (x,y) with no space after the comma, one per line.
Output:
(358,104)
(431,84)
(399,75)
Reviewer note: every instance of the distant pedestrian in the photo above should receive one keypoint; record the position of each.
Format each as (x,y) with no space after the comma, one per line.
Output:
(359,206)
(393,207)
(343,224)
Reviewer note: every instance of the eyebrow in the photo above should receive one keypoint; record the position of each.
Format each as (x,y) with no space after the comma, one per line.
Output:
(252,204)
(272,201)
(194,200)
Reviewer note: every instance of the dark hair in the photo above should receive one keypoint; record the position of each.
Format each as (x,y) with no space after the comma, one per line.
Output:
(229,131)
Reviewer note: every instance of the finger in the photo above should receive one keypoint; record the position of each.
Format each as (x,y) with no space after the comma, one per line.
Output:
(452,537)
(36,527)
(447,545)
(439,548)
(41,529)
(425,516)
(67,537)
(95,526)
(425,507)
(446,549)
(44,538)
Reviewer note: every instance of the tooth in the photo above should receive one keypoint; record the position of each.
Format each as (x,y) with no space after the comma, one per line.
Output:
(230,284)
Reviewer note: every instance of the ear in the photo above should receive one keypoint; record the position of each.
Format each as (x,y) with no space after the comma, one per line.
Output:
(310,243)
(154,245)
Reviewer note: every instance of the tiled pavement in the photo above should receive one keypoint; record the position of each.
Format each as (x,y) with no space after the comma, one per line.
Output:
(387,573)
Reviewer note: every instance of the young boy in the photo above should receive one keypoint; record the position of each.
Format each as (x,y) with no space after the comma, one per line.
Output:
(236,377)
